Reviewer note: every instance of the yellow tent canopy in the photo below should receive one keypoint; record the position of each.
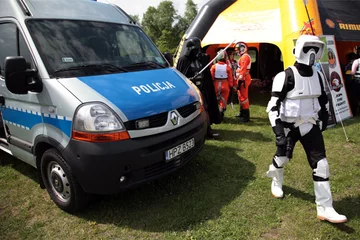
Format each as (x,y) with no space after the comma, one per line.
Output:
(278,22)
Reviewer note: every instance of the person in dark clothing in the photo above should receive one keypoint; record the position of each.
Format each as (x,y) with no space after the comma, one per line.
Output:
(354,88)
(190,64)
(234,65)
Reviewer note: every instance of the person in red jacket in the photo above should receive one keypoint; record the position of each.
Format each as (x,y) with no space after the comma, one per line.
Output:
(243,80)
(223,80)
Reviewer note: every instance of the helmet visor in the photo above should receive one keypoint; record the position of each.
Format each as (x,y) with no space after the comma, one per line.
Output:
(308,48)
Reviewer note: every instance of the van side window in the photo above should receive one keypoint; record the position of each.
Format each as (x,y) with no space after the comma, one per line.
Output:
(7,43)
(24,51)
(10,39)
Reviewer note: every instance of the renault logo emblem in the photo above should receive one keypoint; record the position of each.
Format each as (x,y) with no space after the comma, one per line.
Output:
(174,118)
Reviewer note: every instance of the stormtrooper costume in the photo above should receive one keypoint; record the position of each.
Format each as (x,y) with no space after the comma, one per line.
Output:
(297,112)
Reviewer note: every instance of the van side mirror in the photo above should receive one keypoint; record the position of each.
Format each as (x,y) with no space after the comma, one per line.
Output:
(168,56)
(18,78)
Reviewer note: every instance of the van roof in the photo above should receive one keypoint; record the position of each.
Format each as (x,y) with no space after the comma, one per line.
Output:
(65,9)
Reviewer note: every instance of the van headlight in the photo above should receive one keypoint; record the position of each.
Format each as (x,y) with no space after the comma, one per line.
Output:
(95,122)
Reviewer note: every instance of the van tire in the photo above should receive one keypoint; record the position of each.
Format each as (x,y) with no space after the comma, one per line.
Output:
(60,183)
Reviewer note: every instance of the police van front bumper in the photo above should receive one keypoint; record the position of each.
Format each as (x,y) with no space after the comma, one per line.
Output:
(100,167)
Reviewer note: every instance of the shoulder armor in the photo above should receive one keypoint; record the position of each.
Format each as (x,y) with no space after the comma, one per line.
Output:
(279,82)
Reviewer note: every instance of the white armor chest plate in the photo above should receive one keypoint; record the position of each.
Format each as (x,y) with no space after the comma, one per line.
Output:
(301,104)
(305,87)
(220,71)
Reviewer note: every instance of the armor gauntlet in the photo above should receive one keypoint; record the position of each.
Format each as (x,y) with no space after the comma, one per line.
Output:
(273,109)
(323,118)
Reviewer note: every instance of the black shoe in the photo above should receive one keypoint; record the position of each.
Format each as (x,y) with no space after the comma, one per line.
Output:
(241,114)
(211,134)
(244,119)
(246,116)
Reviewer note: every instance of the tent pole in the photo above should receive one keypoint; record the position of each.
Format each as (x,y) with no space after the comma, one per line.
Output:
(332,98)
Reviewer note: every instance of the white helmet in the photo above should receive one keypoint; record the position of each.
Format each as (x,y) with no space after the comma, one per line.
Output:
(241,47)
(308,48)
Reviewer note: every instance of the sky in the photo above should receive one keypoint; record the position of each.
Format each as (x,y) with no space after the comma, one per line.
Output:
(139,7)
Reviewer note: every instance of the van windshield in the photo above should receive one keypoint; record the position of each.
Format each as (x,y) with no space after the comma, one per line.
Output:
(72,48)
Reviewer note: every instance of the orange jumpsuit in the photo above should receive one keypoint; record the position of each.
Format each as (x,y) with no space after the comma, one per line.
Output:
(223,80)
(243,73)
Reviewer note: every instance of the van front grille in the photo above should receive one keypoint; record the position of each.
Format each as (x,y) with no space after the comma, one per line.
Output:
(187,110)
(157,120)
(160,119)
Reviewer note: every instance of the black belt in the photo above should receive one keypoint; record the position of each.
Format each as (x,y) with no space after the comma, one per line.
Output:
(288,125)
(357,80)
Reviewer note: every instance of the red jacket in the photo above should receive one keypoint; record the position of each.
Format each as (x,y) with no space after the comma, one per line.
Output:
(244,65)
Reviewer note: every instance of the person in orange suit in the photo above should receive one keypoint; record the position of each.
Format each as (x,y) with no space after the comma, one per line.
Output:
(243,81)
(223,80)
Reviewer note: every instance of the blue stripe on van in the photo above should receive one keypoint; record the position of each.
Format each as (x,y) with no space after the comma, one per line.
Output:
(62,124)
(143,93)
(22,118)
(28,119)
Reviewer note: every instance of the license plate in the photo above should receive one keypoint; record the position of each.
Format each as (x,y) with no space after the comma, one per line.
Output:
(179,149)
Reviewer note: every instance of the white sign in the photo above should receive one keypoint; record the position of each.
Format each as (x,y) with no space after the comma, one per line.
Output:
(336,81)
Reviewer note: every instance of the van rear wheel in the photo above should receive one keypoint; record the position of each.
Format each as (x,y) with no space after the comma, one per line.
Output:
(61,185)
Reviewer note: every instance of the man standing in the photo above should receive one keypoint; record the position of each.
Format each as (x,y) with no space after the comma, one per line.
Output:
(223,80)
(190,64)
(234,66)
(355,86)
(297,112)
(243,80)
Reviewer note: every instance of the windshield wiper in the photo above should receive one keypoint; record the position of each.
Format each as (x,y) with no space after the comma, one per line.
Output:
(147,63)
(104,66)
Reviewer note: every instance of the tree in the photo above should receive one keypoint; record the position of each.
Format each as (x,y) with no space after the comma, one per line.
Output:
(184,22)
(149,23)
(158,24)
(165,27)
(167,42)
(190,12)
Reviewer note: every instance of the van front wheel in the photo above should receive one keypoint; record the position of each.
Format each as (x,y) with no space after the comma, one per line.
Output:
(61,185)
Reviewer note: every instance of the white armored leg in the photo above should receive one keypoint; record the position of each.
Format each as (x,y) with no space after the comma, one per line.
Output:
(277,175)
(325,210)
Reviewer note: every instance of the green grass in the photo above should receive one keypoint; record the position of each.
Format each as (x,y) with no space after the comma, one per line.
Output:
(222,194)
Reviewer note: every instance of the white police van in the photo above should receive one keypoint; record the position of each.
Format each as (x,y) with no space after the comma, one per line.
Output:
(89,101)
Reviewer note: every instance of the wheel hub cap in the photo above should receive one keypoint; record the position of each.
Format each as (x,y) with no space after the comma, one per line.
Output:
(59,181)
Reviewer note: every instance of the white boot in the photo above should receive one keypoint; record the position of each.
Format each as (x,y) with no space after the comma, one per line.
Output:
(277,175)
(325,210)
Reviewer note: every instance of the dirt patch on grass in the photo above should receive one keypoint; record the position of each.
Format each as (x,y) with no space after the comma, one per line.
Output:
(272,234)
